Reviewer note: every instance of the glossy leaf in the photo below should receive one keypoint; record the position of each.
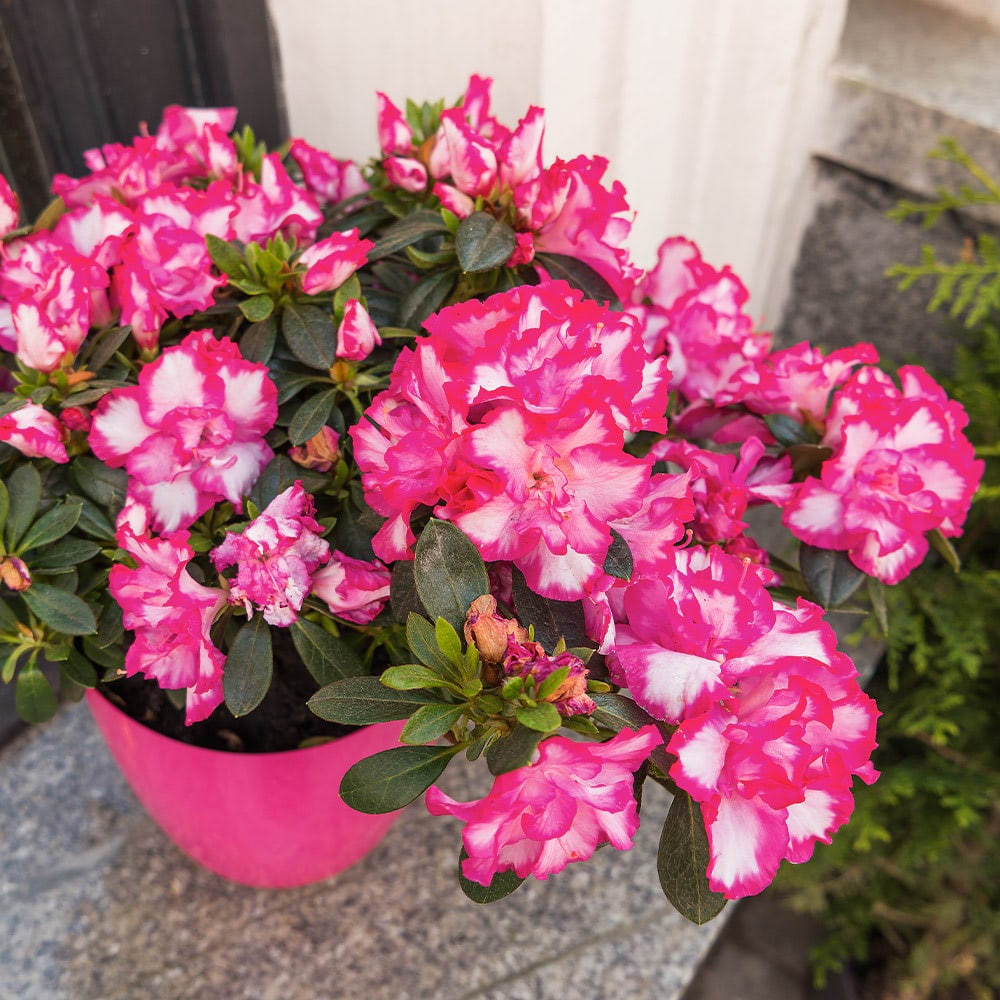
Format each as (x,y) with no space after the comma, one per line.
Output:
(502,884)
(24,486)
(543,718)
(412,677)
(311,417)
(310,335)
(682,860)
(62,611)
(411,229)
(829,574)
(257,342)
(79,669)
(579,275)
(787,430)
(553,620)
(225,256)
(430,722)
(65,554)
(249,667)
(513,751)
(359,701)
(393,778)
(484,243)
(426,298)
(326,657)
(105,486)
(618,562)
(52,525)
(450,573)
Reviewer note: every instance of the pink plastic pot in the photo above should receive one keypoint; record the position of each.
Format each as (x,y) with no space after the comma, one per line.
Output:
(272,820)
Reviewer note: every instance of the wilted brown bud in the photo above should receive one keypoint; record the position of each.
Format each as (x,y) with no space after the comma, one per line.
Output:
(14,573)
(489,631)
(320,452)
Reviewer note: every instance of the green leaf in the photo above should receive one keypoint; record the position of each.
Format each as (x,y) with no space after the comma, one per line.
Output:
(310,335)
(257,342)
(544,718)
(258,308)
(502,884)
(249,667)
(425,298)
(829,574)
(60,610)
(34,698)
(412,677)
(449,571)
(105,486)
(579,275)
(411,229)
(403,596)
(682,860)
(79,669)
(360,701)
(550,685)
(326,657)
(4,507)
(94,522)
(8,620)
(65,554)
(513,751)
(52,525)
(421,637)
(24,486)
(350,289)
(616,712)
(876,592)
(430,722)
(787,430)
(393,778)
(225,256)
(945,549)
(311,417)
(553,620)
(101,348)
(12,654)
(618,561)
(484,243)
(448,641)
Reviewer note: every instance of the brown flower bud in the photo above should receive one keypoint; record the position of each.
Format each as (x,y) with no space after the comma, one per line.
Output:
(489,631)
(320,452)
(14,573)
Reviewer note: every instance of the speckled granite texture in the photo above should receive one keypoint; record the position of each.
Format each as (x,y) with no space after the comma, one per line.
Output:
(96,903)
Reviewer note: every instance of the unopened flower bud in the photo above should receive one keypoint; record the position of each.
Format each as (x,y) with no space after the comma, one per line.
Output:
(14,573)
(320,452)
(76,418)
(489,631)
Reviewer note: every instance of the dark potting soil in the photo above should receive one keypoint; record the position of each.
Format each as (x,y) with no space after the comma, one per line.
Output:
(282,721)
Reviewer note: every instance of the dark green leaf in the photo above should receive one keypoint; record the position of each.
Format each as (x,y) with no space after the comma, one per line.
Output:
(421,637)
(808,459)
(553,620)
(409,230)
(430,722)
(25,488)
(579,275)
(258,308)
(280,473)
(311,417)
(403,596)
(829,574)
(110,630)
(249,667)
(66,553)
(8,620)
(426,298)
(616,712)
(52,525)
(618,562)
(79,669)
(394,778)
(34,698)
(502,884)
(257,342)
(543,717)
(61,611)
(310,335)
(351,536)
(513,751)
(326,657)
(104,485)
(682,861)
(111,657)
(225,256)
(449,572)
(101,349)
(94,522)
(876,591)
(787,430)
(4,507)
(483,243)
(359,701)
(945,549)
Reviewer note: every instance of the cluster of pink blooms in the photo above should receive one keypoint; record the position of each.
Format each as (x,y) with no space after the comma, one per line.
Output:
(563,208)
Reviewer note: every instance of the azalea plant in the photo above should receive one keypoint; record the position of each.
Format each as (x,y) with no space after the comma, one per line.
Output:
(426,419)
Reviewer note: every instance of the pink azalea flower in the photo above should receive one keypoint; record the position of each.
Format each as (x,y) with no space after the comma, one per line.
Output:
(275,557)
(170,613)
(357,335)
(537,819)
(275,205)
(200,136)
(330,262)
(394,132)
(901,467)
(330,179)
(191,433)
(34,432)
(10,207)
(472,161)
(353,589)
(772,726)
(405,172)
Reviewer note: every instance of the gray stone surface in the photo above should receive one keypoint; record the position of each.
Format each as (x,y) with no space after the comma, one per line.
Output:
(96,903)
